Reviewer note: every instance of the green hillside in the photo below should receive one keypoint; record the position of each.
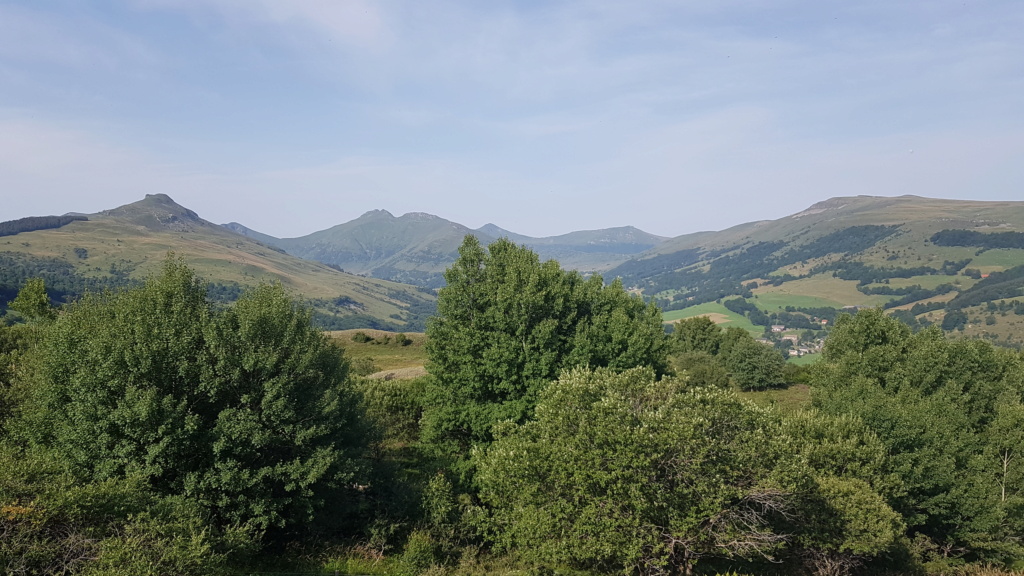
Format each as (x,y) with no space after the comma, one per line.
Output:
(118,246)
(925,260)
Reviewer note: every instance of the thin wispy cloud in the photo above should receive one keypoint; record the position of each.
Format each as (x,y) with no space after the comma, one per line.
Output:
(550,116)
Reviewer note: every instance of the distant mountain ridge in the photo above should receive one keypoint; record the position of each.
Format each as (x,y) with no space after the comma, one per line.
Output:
(125,244)
(417,247)
(956,263)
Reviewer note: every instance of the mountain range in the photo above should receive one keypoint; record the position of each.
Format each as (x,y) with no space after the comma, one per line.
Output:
(959,264)
(416,248)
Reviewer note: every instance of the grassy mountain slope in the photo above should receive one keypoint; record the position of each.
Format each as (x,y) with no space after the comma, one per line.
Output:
(416,248)
(858,251)
(132,241)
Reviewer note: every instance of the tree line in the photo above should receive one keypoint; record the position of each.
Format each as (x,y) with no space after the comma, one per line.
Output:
(33,223)
(559,431)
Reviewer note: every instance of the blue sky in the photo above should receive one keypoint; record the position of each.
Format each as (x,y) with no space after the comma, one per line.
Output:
(290,116)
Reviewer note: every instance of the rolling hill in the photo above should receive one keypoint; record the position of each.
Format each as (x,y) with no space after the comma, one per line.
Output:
(416,248)
(956,263)
(119,246)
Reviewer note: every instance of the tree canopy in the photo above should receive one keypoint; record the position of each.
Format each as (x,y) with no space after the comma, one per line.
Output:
(245,410)
(624,472)
(508,324)
(943,410)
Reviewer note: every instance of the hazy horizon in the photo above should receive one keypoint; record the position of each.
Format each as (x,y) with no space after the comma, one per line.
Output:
(540,117)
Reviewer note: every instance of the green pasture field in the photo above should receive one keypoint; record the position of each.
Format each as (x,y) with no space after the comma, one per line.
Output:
(389,356)
(929,282)
(997,260)
(818,290)
(718,313)
(805,360)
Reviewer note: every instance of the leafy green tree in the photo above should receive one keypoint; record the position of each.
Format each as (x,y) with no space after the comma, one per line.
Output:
(32,302)
(849,524)
(246,411)
(842,518)
(732,336)
(701,369)
(15,344)
(508,324)
(932,403)
(622,471)
(697,334)
(755,366)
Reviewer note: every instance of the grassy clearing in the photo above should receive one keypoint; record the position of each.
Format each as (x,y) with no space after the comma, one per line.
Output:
(795,397)
(719,315)
(385,357)
(806,359)
(818,290)
(929,282)
(996,260)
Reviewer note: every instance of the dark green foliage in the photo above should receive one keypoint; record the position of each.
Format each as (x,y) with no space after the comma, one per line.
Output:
(350,321)
(394,407)
(33,223)
(755,366)
(910,319)
(702,369)
(923,307)
(933,403)
(633,271)
(704,352)
(907,294)
(15,344)
(623,472)
(62,281)
(978,239)
(954,320)
(508,324)
(697,334)
(363,366)
(52,524)
(33,303)
(245,411)
(848,240)
(821,313)
(951,267)
(791,319)
(795,374)
(224,293)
